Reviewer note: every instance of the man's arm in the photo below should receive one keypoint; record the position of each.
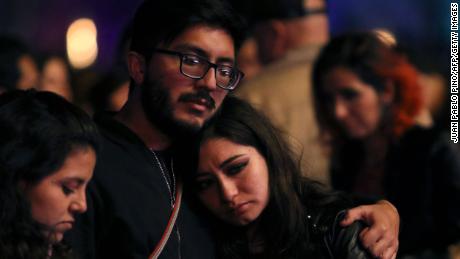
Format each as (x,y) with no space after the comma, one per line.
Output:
(381,237)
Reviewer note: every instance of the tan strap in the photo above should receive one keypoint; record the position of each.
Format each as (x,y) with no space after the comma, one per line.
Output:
(172,221)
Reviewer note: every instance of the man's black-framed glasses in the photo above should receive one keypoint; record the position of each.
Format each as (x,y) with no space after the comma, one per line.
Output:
(196,67)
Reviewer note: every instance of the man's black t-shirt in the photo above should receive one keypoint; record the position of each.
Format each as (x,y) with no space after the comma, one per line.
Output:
(129,205)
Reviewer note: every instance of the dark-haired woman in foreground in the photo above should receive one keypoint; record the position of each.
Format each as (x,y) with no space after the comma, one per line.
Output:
(367,98)
(47,156)
(248,178)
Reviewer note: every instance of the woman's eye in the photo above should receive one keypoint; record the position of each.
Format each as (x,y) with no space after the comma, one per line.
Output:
(202,185)
(69,187)
(235,169)
(349,94)
(67,190)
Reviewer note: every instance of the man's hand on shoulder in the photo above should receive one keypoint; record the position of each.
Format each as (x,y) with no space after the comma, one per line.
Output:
(381,236)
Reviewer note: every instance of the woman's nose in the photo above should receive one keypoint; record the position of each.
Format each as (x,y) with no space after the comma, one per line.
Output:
(228,190)
(78,205)
(340,110)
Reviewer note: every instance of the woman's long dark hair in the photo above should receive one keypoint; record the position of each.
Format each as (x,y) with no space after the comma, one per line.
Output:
(284,221)
(38,130)
(379,65)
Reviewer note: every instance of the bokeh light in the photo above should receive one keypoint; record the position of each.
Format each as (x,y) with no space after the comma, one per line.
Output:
(82,46)
(386,37)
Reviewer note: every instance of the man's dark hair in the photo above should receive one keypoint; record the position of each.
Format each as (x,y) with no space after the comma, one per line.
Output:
(160,21)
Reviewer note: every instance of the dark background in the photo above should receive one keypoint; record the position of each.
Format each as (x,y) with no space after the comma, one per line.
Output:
(422,26)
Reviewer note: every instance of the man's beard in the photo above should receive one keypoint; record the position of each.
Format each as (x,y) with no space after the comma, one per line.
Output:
(156,102)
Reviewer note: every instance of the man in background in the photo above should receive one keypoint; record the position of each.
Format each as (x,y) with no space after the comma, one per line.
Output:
(290,34)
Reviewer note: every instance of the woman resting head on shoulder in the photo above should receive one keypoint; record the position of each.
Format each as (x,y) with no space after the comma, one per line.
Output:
(248,178)
(47,156)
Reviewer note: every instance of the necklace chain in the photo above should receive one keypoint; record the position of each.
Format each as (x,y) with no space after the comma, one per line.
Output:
(164,171)
(172,191)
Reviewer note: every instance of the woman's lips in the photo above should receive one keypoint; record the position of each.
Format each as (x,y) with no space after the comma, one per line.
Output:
(240,209)
(65,225)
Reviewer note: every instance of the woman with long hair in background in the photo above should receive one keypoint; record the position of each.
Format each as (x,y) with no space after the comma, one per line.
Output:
(367,100)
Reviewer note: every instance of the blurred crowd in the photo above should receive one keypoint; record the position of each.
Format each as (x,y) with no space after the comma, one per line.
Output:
(361,113)
(23,68)
(272,36)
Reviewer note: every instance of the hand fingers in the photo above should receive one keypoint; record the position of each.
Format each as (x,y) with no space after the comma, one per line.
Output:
(393,249)
(385,248)
(380,233)
(368,241)
(352,215)
(380,249)
(389,254)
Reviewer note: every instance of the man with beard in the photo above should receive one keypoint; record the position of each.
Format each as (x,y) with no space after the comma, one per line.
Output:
(181,66)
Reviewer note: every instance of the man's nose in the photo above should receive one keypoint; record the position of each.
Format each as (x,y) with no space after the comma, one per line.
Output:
(208,81)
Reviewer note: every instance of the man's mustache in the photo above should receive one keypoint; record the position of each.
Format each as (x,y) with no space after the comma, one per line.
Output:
(198,97)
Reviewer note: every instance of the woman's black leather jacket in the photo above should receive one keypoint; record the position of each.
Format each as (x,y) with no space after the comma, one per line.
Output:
(338,242)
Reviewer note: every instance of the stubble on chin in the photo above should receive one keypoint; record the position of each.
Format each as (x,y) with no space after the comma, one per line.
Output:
(158,108)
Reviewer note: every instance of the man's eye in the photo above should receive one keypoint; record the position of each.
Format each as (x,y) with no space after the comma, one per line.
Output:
(191,60)
(226,71)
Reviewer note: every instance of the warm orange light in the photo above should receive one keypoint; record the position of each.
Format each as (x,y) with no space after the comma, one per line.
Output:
(386,37)
(82,43)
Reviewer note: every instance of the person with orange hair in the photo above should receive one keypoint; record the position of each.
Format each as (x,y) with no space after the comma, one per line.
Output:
(367,98)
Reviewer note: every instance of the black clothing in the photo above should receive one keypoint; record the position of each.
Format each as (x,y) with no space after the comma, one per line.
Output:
(336,241)
(332,240)
(129,205)
(322,238)
(422,179)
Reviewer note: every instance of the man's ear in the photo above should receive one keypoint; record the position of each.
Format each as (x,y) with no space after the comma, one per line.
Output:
(388,93)
(136,67)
